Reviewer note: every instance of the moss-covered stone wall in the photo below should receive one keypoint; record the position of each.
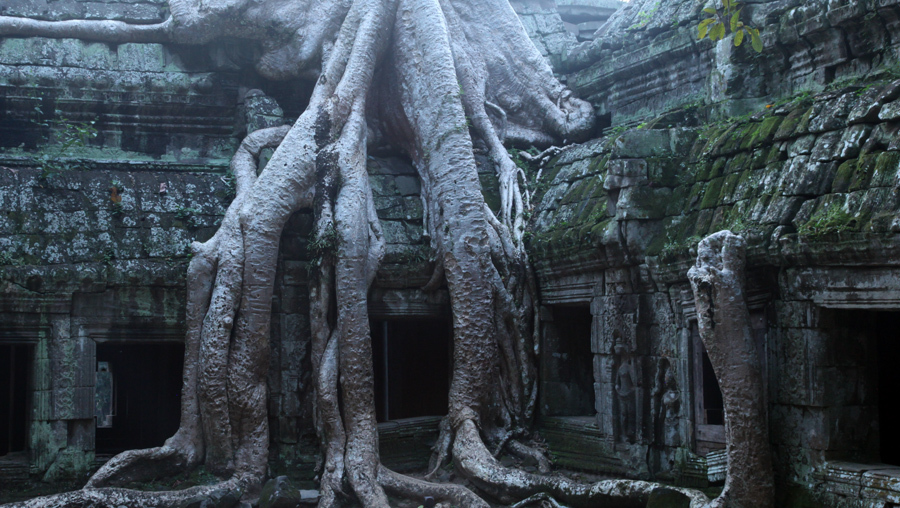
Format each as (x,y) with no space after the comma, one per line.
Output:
(648,59)
(812,184)
(803,180)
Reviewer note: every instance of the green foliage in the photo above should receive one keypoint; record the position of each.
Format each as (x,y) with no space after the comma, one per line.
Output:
(186,253)
(829,220)
(200,476)
(616,131)
(612,135)
(522,163)
(108,256)
(532,172)
(645,17)
(803,98)
(674,247)
(185,213)
(188,216)
(891,71)
(725,20)
(736,221)
(323,244)
(230,191)
(7,259)
(70,136)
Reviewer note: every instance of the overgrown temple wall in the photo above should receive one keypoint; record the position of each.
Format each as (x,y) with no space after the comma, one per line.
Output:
(796,149)
(813,186)
(648,60)
(114,159)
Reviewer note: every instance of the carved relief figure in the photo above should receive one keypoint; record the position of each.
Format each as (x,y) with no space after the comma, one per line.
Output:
(666,405)
(625,387)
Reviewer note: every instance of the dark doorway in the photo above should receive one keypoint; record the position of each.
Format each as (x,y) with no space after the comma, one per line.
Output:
(412,367)
(567,367)
(859,362)
(15,379)
(888,348)
(713,405)
(146,394)
(709,407)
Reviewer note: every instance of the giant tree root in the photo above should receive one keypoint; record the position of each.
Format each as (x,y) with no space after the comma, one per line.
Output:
(225,493)
(724,322)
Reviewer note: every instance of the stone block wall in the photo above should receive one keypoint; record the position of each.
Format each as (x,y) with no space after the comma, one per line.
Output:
(804,179)
(812,184)
(146,102)
(79,268)
(647,59)
(139,11)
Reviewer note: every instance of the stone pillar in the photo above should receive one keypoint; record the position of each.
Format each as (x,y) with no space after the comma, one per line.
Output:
(63,425)
(620,372)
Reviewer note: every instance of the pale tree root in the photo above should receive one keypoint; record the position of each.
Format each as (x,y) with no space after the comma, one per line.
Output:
(474,248)
(508,485)
(95,30)
(411,488)
(204,313)
(545,500)
(717,281)
(226,493)
(542,157)
(351,246)
(723,320)
(525,452)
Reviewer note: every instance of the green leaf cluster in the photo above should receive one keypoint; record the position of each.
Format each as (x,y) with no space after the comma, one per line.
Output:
(69,136)
(645,17)
(184,213)
(831,219)
(727,19)
(324,244)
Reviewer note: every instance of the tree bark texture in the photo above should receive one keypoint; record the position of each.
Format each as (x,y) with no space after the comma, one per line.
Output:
(724,323)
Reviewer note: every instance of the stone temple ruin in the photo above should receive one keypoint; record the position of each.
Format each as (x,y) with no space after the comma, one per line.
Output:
(114,157)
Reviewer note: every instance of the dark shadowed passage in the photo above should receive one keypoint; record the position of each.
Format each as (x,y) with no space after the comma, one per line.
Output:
(412,367)
(15,374)
(146,386)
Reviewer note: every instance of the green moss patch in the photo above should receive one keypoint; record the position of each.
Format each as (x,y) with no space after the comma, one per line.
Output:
(865,169)
(711,193)
(830,218)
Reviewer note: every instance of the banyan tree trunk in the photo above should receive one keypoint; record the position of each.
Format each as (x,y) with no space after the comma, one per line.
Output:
(724,322)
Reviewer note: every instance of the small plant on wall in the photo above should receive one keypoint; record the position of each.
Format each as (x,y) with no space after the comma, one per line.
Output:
(69,137)
(727,19)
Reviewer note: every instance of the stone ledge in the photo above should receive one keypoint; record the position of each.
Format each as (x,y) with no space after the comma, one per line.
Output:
(576,442)
(405,445)
(863,481)
(212,166)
